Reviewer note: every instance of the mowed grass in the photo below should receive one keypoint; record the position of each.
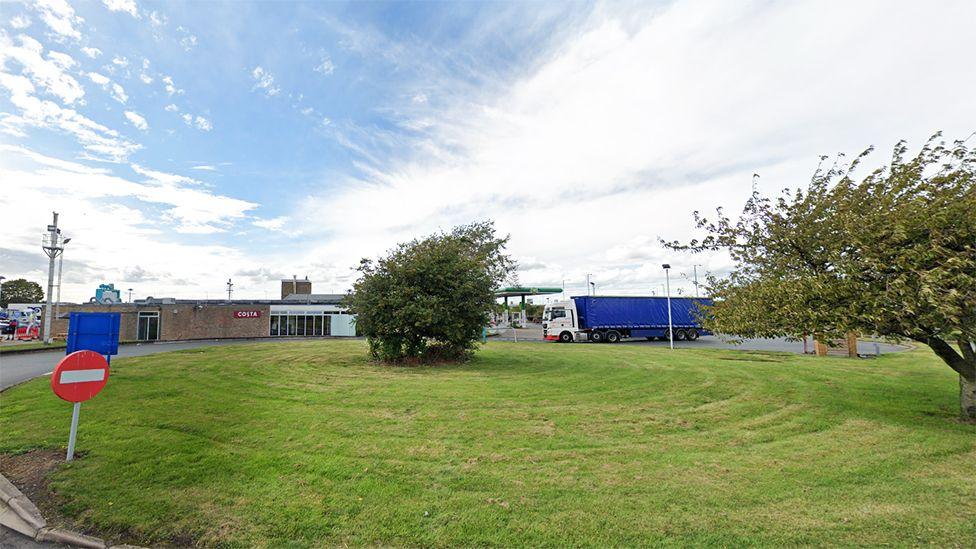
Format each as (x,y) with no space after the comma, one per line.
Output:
(309,444)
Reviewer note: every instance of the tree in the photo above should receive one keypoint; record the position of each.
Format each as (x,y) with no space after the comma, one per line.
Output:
(429,299)
(893,254)
(20,291)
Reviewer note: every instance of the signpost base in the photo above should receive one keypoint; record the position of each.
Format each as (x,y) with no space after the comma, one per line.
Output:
(74,431)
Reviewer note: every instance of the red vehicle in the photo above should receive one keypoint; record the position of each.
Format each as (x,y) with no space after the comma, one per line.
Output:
(27,333)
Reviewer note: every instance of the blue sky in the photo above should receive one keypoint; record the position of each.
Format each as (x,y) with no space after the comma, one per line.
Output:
(187,143)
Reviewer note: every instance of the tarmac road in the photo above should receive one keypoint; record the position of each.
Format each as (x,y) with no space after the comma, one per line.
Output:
(19,367)
(710,342)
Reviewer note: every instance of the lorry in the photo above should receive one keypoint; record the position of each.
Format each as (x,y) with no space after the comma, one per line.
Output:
(612,318)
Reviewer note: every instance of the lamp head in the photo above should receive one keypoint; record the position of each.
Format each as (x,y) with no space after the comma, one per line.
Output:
(66,240)
(666,266)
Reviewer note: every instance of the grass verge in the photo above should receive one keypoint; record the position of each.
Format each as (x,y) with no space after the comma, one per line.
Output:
(306,443)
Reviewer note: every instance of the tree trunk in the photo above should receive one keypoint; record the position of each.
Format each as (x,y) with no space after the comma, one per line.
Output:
(967,398)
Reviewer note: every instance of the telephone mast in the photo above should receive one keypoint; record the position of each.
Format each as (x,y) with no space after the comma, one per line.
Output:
(230,289)
(53,245)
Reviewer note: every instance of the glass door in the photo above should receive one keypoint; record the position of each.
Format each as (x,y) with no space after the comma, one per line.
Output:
(147,326)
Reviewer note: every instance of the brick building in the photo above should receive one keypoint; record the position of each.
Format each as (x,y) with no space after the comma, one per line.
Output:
(298,314)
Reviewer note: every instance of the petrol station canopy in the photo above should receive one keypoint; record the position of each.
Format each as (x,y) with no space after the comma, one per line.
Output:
(522,291)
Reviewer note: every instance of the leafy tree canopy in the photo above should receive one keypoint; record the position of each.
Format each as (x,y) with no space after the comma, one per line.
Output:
(429,299)
(20,291)
(892,254)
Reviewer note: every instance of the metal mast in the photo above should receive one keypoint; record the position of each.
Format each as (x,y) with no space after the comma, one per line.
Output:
(52,246)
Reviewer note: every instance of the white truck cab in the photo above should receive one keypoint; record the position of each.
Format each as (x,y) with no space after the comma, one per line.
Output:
(560,322)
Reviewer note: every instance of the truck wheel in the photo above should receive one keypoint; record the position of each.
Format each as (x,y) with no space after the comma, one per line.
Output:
(692,334)
(650,338)
(680,335)
(565,337)
(613,336)
(596,337)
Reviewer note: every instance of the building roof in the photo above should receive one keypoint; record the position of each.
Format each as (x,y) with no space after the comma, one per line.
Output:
(322,299)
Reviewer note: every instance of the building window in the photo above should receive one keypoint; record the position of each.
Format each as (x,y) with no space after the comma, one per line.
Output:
(308,325)
(147,326)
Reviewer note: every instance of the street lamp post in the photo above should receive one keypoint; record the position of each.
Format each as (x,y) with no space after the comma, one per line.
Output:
(57,307)
(130,295)
(2,278)
(667,278)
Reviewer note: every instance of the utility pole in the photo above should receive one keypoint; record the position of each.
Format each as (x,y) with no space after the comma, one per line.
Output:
(587,283)
(230,289)
(130,295)
(51,244)
(667,277)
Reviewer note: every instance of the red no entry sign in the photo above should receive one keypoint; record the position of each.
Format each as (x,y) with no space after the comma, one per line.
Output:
(80,376)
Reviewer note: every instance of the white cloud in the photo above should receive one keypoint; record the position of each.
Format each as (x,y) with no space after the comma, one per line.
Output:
(118,93)
(164,178)
(137,120)
(326,66)
(171,108)
(99,79)
(171,88)
(205,167)
(197,122)
(264,81)
(97,207)
(91,52)
(146,79)
(275,224)
(48,74)
(59,16)
(188,42)
(157,19)
(20,22)
(120,61)
(126,6)
(202,123)
(624,127)
(98,141)
(419,98)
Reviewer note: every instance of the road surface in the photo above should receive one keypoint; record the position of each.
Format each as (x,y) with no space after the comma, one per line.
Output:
(711,342)
(19,367)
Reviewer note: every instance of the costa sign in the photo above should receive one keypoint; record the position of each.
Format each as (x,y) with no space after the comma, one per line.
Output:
(247,314)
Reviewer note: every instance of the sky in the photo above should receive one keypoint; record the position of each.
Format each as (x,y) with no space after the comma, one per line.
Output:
(187,143)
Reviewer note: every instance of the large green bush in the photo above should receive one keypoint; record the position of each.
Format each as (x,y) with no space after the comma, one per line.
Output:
(428,299)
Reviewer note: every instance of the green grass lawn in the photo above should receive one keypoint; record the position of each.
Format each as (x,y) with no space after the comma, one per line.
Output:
(309,444)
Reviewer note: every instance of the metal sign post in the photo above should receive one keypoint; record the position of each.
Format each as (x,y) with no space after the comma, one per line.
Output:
(77,378)
(73,435)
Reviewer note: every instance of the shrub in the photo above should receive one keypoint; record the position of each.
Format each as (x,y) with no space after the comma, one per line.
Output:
(428,299)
